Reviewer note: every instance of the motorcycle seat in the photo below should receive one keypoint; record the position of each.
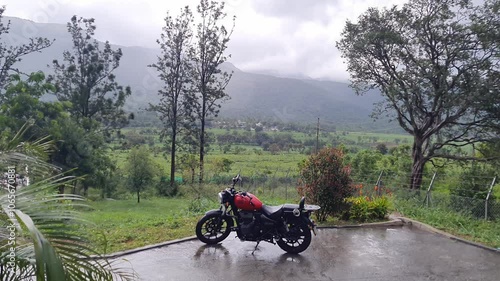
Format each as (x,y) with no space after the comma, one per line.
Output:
(272,212)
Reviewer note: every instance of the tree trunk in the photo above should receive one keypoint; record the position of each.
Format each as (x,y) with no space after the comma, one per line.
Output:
(138,197)
(202,140)
(418,164)
(172,153)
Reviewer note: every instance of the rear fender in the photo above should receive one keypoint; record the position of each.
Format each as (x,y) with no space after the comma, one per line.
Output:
(302,219)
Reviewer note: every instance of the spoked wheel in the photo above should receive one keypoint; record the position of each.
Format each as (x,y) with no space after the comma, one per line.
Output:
(296,240)
(213,228)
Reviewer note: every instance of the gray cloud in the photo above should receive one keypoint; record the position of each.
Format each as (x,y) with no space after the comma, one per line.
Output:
(283,36)
(295,10)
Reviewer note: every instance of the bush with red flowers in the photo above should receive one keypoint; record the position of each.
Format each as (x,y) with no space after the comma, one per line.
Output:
(325,181)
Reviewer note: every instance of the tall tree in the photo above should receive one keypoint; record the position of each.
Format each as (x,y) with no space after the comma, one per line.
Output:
(436,63)
(210,82)
(85,150)
(9,54)
(174,67)
(87,79)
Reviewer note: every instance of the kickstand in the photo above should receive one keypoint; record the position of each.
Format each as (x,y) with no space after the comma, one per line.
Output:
(255,249)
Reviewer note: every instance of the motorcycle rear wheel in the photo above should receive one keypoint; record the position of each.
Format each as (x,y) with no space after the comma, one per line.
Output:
(296,240)
(213,228)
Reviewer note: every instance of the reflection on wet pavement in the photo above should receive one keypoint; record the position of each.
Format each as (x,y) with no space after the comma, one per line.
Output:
(335,254)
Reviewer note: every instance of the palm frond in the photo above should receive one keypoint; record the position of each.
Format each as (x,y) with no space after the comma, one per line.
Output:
(34,154)
(60,249)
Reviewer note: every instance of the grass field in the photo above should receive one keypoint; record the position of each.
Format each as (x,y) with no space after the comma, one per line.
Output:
(125,224)
(251,160)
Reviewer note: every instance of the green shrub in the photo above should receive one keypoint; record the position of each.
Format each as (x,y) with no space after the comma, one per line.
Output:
(163,187)
(366,209)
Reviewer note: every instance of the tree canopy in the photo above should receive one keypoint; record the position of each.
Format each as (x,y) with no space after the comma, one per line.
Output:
(87,80)
(437,65)
(10,54)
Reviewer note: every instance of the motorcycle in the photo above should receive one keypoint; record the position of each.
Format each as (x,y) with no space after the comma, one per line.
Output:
(288,225)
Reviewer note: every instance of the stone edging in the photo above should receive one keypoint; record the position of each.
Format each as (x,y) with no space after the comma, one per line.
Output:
(148,247)
(393,222)
(431,229)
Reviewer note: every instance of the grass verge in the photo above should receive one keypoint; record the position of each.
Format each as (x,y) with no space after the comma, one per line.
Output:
(461,225)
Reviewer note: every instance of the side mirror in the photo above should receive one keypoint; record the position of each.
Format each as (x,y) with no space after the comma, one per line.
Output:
(302,203)
(236,179)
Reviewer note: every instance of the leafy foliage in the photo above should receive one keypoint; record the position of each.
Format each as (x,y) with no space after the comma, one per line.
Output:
(222,165)
(48,244)
(9,55)
(21,103)
(87,79)
(208,54)
(472,189)
(436,62)
(325,181)
(175,69)
(165,188)
(363,208)
(140,169)
(81,149)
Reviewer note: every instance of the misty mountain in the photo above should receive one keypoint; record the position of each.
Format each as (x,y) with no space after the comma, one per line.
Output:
(253,95)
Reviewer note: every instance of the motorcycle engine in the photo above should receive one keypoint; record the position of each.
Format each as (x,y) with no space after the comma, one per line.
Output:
(249,226)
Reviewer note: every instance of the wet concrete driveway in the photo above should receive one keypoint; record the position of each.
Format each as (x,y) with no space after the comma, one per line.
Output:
(384,254)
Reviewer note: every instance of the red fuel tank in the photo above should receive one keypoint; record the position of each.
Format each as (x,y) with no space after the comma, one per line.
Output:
(247,202)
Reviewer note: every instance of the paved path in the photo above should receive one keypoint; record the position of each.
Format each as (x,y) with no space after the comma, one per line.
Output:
(381,254)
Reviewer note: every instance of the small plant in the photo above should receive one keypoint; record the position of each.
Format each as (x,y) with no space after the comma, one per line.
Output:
(365,209)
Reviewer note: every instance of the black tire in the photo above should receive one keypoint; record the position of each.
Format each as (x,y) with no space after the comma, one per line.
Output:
(213,228)
(296,240)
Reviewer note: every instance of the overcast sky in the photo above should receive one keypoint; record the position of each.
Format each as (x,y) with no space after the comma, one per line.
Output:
(288,37)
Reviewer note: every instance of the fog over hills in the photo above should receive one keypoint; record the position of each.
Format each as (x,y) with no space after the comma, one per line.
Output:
(254,95)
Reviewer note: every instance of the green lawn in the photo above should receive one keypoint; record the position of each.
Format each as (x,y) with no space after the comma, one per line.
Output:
(128,224)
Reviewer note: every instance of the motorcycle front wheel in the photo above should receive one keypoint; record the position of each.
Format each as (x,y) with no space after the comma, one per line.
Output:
(213,228)
(296,240)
